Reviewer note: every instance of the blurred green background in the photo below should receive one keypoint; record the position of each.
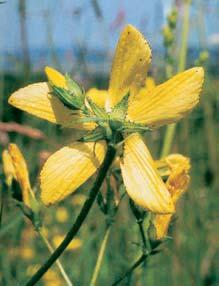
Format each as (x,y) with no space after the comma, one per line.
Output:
(79,37)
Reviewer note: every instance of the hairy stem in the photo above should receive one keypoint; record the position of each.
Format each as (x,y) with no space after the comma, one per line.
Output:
(110,155)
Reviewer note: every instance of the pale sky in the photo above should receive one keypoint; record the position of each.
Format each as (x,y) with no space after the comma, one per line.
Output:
(72,23)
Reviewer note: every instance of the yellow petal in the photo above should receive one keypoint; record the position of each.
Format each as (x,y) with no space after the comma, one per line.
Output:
(141,179)
(149,83)
(161,224)
(130,64)
(177,167)
(169,101)
(167,165)
(37,100)
(55,77)
(69,168)
(8,167)
(21,171)
(98,96)
(178,182)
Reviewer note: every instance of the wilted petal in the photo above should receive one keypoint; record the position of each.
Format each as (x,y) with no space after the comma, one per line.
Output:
(177,168)
(141,179)
(161,224)
(8,167)
(69,168)
(21,172)
(37,100)
(130,64)
(169,101)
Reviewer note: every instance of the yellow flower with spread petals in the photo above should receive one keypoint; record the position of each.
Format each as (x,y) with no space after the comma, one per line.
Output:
(116,115)
(176,167)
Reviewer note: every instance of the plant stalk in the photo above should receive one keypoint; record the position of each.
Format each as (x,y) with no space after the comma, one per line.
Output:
(139,261)
(109,157)
(170,131)
(58,263)
(100,257)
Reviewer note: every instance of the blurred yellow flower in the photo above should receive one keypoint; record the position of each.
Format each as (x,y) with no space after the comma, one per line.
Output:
(124,112)
(176,167)
(27,253)
(78,199)
(61,214)
(51,278)
(75,244)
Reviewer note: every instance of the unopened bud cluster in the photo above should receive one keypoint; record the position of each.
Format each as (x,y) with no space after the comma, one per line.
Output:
(169,29)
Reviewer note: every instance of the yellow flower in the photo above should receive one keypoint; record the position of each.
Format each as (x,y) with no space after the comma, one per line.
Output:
(124,112)
(15,167)
(51,278)
(27,253)
(8,167)
(176,167)
(78,199)
(61,214)
(21,172)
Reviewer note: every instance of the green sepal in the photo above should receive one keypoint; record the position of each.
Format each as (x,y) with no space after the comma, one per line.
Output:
(137,212)
(119,111)
(74,86)
(67,98)
(131,127)
(97,110)
(116,125)
(73,97)
(93,136)
(76,90)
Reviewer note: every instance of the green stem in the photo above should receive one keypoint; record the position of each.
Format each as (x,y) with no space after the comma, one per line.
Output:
(139,261)
(58,263)
(142,259)
(170,131)
(100,257)
(140,224)
(110,155)
(168,139)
